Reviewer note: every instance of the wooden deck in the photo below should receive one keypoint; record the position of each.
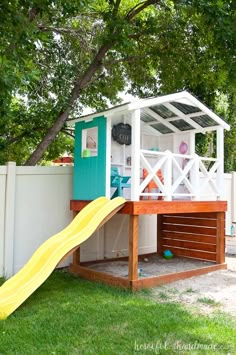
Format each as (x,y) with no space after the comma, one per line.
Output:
(192,229)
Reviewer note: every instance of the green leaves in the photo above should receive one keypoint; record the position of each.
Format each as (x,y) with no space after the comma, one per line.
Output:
(49,59)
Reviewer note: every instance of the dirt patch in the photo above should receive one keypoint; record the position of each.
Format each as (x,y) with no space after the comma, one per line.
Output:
(216,290)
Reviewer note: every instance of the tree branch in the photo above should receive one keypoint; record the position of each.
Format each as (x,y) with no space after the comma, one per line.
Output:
(82,82)
(139,7)
(116,7)
(33,12)
(16,139)
(22,135)
(68,132)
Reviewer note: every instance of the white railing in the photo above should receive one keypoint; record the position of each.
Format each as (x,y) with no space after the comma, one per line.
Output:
(184,176)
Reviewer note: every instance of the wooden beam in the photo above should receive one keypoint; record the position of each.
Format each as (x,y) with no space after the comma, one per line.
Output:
(159,234)
(76,257)
(201,215)
(164,279)
(191,221)
(220,238)
(211,239)
(190,245)
(190,229)
(173,207)
(162,207)
(99,276)
(133,247)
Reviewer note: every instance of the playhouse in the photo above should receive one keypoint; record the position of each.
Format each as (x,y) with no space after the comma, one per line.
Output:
(145,152)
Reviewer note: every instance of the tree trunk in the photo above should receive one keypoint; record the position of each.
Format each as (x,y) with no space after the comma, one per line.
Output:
(81,83)
(47,140)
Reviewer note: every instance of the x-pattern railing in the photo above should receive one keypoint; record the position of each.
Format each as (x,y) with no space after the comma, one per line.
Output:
(208,175)
(181,174)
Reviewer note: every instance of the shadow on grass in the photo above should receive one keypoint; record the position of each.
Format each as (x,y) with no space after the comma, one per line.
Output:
(68,315)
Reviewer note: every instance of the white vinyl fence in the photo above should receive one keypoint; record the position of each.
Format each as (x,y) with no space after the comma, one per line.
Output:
(35,204)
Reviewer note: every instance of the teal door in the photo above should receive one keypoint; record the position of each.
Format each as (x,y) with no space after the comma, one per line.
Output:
(90,159)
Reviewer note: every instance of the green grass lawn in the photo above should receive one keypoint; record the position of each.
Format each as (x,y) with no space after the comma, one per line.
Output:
(67,315)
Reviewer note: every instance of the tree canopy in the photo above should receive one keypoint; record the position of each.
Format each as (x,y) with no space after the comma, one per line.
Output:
(57,57)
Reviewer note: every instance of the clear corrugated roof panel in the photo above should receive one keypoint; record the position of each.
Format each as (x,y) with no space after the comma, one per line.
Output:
(161,128)
(178,112)
(186,109)
(182,125)
(163,111)
(204,121)
(145,117)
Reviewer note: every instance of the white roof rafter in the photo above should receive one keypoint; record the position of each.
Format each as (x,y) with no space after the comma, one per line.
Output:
(188,102)
(181,115)
(160,120)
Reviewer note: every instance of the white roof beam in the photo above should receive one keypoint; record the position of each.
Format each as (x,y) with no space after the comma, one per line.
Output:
(195,114)
(206,129)
(181,115)
(207,111)
(160,119)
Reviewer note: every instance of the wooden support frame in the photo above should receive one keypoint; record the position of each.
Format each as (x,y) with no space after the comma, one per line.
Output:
(220,242)
(205,217)
(133,247)
(159,234)
(165,279)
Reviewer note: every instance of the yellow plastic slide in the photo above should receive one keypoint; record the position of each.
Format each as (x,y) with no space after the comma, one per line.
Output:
(18,288)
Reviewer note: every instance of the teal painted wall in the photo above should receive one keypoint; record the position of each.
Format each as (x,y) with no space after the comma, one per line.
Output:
(90,172)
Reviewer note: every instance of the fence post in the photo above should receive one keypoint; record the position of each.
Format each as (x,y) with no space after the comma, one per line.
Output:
(220,156)
(3,170)
(233,194)
(9,220)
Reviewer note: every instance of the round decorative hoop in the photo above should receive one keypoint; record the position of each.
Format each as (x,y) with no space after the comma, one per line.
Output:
(183,148)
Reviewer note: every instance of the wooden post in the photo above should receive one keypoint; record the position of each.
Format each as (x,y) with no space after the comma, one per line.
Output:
(159,234)
(220,238)
(76,257)
(76,253)
(133,247)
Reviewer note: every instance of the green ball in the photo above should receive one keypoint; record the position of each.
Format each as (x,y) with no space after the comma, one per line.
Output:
(168,254)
